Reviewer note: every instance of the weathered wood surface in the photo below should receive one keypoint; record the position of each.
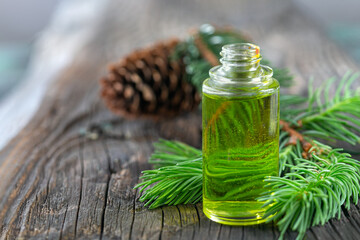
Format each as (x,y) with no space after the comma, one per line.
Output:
(62,178)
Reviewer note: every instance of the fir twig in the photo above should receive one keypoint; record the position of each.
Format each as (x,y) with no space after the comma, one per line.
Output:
(314,191)
(172,152)
(336,118)
(200,53)
(178,181)
(309,192)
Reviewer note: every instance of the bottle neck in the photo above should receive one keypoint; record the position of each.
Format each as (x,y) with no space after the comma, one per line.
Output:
(240,73)
(240,62)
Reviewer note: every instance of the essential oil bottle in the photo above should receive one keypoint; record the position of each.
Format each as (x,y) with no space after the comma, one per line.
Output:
(240,112)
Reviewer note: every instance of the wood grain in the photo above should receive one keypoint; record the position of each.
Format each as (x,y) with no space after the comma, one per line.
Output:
(64,178)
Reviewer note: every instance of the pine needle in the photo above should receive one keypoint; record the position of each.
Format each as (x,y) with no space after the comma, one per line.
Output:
(309,191)
(314,191)
(336,118)
(197,68)
(178,181)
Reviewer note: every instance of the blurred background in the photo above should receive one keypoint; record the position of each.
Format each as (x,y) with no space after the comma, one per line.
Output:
(22,23)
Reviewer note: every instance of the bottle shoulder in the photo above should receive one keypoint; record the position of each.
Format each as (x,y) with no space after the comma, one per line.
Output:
(242,89)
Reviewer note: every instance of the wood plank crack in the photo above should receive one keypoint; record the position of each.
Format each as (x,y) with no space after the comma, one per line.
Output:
(162,223)
(331,222)
(133,215)
(63,222)
(106,150)
(81,159)
(350,219)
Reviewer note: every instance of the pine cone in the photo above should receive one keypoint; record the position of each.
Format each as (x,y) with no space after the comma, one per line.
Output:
(147,83)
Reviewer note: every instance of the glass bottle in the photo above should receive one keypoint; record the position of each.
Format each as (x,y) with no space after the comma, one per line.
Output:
(240,112)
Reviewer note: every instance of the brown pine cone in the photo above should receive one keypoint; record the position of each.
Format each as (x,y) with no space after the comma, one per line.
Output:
(147,83)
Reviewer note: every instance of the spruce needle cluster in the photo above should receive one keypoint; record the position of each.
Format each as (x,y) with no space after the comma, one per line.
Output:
(179,178)
(315,180)
(211,39)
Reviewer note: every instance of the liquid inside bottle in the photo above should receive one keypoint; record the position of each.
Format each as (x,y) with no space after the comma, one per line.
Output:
(240,136)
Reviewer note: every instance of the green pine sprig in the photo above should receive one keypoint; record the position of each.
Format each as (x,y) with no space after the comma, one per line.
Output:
(197,68)
(331,119)
(177,181)
(169,153)
(337,118)
(309,191)
(314,191)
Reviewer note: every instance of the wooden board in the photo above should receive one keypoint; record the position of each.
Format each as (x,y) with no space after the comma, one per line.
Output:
(62,178)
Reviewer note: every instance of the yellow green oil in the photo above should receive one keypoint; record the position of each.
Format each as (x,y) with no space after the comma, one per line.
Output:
(240,149)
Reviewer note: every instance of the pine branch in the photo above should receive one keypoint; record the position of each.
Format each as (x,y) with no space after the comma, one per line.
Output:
(169,153)
(178,181)
(287,154)
(200,53)
(314,191)
(315,181)
(290,107)
(337,118)
(197,68)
